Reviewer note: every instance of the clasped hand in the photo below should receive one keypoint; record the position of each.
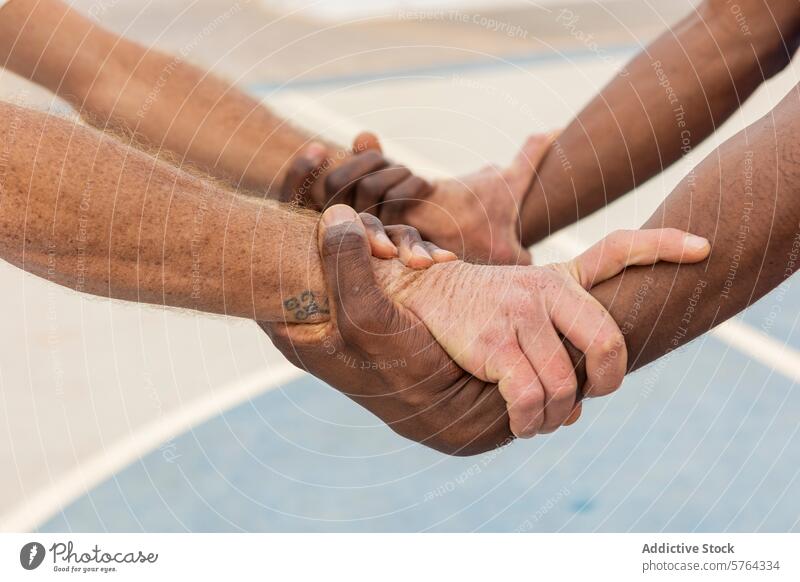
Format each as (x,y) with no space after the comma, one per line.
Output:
(458,356)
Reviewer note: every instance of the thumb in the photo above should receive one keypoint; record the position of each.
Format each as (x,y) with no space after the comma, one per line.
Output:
(521,171)
(358,303)
(523,256)
(624,248)
(366,140)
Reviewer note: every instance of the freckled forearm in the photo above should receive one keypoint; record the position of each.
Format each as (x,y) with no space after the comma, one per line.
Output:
(85,211)
(90,213)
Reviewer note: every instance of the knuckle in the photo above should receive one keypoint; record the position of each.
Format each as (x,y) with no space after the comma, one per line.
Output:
(527,432)
(403,172)
(409,188)
(302,167)
(562,388)
(613,344)
(370,187)
(405,231)
(526,425)
(372,157)
(371,221)
(531,400)
(527,403)
(411,232)
(397,195)
(494,341)
(418,186)
(335,182)
(606,390)
(401,169)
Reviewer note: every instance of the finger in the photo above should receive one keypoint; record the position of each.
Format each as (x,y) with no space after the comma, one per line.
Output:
(575,416)
(410,246)
(381,245)
(402,197)
(554,368)
(534,150)
(439,255)
(357,302)
(521,390)
(371,190)
(520,173)
(591,329)
(366,140)
(340,183)
(624,248)
(303,171)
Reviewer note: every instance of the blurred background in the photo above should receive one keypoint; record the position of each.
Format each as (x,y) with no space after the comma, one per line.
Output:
(119,417)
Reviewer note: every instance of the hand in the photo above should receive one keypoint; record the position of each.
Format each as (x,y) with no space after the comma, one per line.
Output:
(500,323)
(379,353)
(476,216)
(345,182)
(505,324)
(318,181)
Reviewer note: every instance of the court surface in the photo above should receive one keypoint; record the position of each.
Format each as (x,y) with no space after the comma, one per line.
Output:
(228,437)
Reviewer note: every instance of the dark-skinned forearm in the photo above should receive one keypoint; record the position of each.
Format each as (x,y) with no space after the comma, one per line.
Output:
(664,103)
(743,198)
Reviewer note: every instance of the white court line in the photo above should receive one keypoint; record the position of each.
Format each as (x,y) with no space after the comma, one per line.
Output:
(48,501)
(766,350)
(742,337)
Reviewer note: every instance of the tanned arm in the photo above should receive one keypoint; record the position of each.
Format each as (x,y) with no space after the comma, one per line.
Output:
(666,101)
(162,99)
(87,211)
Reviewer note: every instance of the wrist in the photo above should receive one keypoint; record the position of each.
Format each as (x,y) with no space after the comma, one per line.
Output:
(423,291)
(534,216)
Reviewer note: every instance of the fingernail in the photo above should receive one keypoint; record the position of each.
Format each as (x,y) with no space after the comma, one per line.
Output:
(385,240)
(526,433)
(443,255)
(695,243)
(316,152)
(338,214)
(421,252)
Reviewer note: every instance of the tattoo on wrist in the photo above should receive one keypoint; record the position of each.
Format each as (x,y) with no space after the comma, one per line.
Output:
(307,305)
